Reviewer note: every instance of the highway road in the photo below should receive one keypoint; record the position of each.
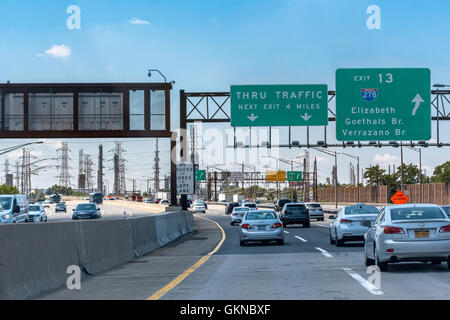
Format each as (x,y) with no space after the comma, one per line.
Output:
(210,264)
(109,210)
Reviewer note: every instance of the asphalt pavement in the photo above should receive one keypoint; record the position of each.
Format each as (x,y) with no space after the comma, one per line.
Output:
(306,267)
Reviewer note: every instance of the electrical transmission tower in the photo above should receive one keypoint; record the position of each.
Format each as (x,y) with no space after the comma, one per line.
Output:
(100,169)
(81,172)
(17,166)
(119,169)
(89,166)
(63,159)
(25,186)
(156,167)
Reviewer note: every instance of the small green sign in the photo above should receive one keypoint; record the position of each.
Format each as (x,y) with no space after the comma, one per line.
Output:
(294,176)
(200,175)
(383,104)
(279,105)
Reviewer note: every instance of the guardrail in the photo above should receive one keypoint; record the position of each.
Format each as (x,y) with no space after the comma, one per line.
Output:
(34,257)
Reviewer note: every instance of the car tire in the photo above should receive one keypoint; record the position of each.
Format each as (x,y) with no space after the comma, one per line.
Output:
(436,262)
(448,263)
(331,239)
(306,225)
(384,266)
(280,242)
(368,262)
(231,223)
(242,243)
(284,225)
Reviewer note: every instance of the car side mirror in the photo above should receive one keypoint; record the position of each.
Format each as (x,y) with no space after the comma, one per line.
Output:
(366,223)
(332,217)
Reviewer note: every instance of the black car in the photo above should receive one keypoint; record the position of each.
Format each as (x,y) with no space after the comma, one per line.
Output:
(279,204)
(230,206)
(295,213)
(86,211)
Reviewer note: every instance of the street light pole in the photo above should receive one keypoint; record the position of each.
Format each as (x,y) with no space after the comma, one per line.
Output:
(330,153)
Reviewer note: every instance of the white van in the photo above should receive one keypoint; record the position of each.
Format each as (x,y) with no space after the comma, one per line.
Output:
(13,208)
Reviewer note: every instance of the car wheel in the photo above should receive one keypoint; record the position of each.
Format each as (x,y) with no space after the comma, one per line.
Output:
(331,239)
(368,261)
(448,263)
(382,265)
(231,223)
(284,225)
(306,225)
(280,242)
(436,262)
(242,243)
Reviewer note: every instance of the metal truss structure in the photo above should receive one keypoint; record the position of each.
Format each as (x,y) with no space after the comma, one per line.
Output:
(213,107)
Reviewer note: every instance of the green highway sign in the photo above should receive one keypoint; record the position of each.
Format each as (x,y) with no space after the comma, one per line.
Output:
(383,104)
(200,175)
(279,105)
(294,176)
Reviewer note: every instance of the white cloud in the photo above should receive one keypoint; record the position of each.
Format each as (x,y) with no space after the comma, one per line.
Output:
(138,21)
(323,159)
(57,51)
(386,159)
(19,153)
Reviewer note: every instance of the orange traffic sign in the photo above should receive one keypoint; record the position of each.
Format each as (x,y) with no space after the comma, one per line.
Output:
(399,198)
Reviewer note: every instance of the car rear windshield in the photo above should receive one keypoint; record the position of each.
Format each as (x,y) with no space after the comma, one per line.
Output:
(418,213)
(261,215)
(241,209)
(447,211)
(283,202)
(250,205)
(34,208)
(295,208)
(313,205)
(361,210)
(86,206)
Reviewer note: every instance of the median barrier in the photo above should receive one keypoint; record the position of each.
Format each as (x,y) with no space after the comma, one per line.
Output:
(34,257)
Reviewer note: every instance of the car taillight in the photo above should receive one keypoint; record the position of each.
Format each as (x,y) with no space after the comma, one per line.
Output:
(234,214)
(346,221)
(445,229)
(276,225)
(393,230)
(246,226)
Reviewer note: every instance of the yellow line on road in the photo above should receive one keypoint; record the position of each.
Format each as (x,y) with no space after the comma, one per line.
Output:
(161,292)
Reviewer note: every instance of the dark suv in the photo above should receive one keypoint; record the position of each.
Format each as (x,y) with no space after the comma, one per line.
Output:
(279,204)
(295,213)
(230,206)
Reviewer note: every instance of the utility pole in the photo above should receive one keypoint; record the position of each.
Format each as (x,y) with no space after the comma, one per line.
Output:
(81,172)
(401,168)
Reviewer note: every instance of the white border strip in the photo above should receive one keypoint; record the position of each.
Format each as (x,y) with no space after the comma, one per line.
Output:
(299,238)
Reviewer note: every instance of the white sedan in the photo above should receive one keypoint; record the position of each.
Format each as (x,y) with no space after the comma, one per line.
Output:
(410,232)
(352,223)
(198,207)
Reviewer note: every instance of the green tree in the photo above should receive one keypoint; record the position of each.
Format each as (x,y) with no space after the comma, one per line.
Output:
(55,189)
(4,189)
(411,174)
(374,175)
(441,173)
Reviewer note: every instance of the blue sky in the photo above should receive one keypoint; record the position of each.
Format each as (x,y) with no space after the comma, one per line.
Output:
(209,46)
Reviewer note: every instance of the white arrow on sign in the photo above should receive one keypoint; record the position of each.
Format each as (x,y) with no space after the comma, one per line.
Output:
(306,116)
(252,117)
(417,100)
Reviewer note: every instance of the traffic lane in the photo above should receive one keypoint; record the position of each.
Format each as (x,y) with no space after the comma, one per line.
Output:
(317,236)
(108,211)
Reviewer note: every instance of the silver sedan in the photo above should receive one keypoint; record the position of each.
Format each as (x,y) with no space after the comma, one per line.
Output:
(412,232)
(261,225)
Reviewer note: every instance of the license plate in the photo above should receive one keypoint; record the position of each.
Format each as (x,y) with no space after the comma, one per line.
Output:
(261,227)
(362,222)
(422,234)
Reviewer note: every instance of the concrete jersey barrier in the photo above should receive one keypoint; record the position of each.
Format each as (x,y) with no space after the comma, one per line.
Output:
(34,257)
